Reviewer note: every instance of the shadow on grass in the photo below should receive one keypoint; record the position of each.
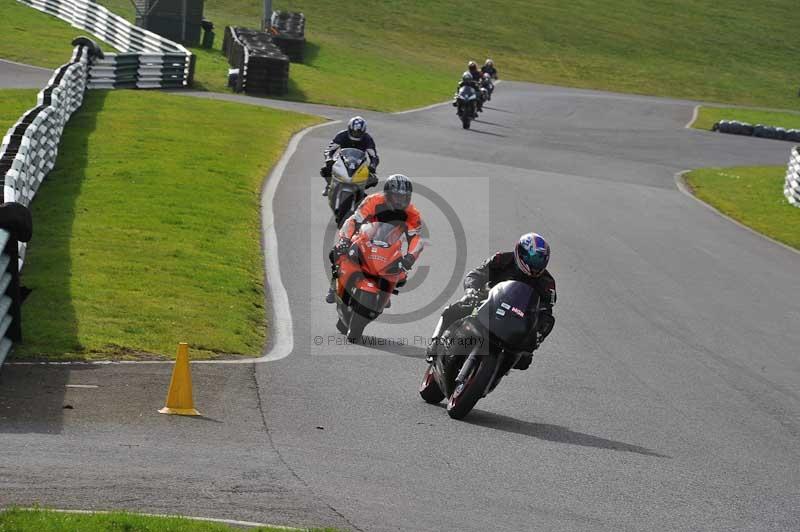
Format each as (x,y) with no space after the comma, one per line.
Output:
(32,396)
(310,54)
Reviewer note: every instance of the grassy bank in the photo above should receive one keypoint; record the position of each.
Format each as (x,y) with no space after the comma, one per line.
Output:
(392,55)
(147,230)
(48,521)
(403,53)
(708,116)
(14,102)
(32,37)
(751,195)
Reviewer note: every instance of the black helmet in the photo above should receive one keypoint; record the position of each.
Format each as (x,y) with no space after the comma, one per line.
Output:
(397,191)
(356,128)
(532,253)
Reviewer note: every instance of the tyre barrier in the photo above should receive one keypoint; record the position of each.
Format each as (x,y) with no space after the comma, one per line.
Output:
(161,63)
(262,67)
(792,187)
(735,127)
(288,31)
(27,154)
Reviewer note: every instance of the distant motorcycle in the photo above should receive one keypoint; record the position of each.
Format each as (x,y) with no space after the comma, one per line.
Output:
(368,274)
(487,85)
(350,177)
(476,352)
(467,105)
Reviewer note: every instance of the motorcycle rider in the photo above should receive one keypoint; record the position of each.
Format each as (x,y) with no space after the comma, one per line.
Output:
(472,68)
(488,68)
(471,78)
(355,136)
(526,263)
(391,205)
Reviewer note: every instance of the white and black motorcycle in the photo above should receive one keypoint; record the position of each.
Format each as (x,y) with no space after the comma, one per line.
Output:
(467,105)
(350,177)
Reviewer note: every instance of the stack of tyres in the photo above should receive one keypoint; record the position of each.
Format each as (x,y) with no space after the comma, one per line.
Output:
(289,30)
(170,18)
(263,67)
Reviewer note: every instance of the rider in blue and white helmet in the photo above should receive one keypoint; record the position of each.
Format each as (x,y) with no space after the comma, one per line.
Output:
(355,136)
(526,263)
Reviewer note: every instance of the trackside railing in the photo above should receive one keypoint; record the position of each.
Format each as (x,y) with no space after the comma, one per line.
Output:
(146,61)
(792,187)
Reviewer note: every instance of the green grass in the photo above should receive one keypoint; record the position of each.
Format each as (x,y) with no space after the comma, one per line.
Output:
(751,195)
(708,116)
(147,231)
(14,102)
(32,37)
(16,520)
(397,54)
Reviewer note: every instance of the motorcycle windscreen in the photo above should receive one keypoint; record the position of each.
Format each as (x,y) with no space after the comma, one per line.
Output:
(466,92)
(510,312)
(351,166)
(383,247)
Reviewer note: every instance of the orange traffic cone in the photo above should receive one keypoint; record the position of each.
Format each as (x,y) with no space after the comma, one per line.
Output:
(179,396)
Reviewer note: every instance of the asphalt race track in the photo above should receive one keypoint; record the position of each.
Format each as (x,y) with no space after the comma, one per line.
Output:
(667,398)
(18,76)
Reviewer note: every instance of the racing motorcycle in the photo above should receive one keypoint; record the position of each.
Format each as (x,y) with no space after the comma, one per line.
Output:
(368,274)
(487,87)
(467,105)
(476,352)
(350,177)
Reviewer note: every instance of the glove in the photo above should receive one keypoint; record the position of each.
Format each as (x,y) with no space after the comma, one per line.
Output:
(342,246)
(471,296)
(372,180)
(325,171)
(408,261)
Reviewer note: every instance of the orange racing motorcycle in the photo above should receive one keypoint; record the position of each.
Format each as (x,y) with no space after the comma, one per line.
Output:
(368,274)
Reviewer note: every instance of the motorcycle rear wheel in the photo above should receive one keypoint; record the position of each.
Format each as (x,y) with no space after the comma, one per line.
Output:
(467,394)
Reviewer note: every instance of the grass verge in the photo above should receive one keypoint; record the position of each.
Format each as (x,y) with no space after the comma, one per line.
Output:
(708,116)
(147,230)
(753,196)
(403,53)
(14,102)
(34,38)
(18,520)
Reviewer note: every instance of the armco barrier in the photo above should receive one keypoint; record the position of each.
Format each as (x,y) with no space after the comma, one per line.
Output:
(29,149)
(147,60)
(792,187)
(27,154)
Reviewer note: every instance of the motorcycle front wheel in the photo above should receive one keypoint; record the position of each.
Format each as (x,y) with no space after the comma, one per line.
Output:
(429,390)
(468,393)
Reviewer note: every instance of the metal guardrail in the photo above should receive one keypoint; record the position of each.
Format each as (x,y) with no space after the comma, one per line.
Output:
(147,60)
(792,187)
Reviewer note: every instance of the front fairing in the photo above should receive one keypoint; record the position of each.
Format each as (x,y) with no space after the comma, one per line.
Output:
(509,313)
(351,167)
(466,93)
